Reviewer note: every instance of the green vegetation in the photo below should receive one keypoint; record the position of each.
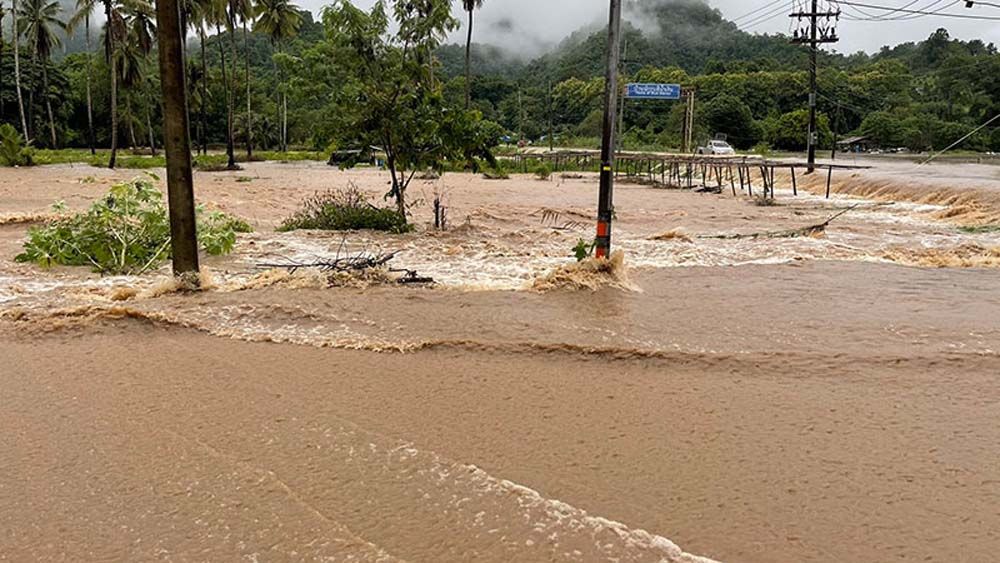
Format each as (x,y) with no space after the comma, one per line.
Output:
(126,232)
(333,83)
(346,209)
(13,150)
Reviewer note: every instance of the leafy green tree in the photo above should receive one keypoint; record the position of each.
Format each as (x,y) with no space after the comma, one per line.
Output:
(398,107)
(729,115)
(790,131)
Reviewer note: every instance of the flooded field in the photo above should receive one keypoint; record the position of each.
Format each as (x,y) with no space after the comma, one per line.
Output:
(750,395)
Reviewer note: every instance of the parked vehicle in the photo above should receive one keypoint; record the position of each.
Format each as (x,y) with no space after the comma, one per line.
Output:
(717,148)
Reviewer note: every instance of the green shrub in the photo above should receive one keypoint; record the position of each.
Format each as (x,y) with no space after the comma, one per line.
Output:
(762,148)
(126,232)
(344,210)
(13,150)
(542,171)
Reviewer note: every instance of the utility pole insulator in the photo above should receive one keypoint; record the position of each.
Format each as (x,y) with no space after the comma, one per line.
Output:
(814,37)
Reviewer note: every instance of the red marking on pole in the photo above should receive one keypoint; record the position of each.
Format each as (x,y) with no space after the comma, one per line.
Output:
(603,229)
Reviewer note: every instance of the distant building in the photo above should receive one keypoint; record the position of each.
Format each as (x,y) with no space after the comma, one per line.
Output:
(856,144)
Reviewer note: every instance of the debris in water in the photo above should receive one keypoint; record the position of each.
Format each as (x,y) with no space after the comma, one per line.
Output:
(814,231)
(678,234)
(591,274)
(963,256)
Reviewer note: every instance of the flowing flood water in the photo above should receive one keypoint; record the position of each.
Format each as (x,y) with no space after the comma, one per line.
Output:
(748,393)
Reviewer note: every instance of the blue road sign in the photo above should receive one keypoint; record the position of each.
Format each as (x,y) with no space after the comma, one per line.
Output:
(653,91)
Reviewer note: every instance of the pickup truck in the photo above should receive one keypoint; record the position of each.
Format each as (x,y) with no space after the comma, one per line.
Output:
(717,147)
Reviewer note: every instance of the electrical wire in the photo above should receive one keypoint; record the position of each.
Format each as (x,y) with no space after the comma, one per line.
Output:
(919,12)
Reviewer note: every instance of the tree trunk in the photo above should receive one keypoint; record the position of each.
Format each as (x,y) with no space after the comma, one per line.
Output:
(397,185)
(131,123)
(48,105)
(90,99)
(31,95)
(246,47)
(180,182)
(17,74)
(468,65)
(2,13)
(232,91)
(229,101)
(204,91)
(114,86)
(152,136)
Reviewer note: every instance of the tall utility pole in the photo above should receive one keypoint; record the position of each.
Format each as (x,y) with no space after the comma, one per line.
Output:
(687,128)
(816,35)
(620,136)
(552,137)
(177,140)
(605,204)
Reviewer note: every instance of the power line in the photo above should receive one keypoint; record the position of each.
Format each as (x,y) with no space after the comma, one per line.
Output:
(918,12)
(958,142)
(757,11)
(763,18)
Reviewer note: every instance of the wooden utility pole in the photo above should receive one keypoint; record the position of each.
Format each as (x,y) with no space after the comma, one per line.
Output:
(605,205)
(177,141)
(814,37)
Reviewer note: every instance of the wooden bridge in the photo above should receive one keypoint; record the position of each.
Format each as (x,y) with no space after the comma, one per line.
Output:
(683,171)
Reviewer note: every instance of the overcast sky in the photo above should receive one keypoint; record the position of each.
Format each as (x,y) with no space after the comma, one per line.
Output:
(531,26)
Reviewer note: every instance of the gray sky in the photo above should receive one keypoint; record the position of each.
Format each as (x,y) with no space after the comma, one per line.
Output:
(529,26)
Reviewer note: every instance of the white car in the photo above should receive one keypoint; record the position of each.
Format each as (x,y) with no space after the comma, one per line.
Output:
(717,147)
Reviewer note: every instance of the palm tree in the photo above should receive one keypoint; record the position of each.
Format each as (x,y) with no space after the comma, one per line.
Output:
(39,23)
(469,6)
(200,16)
(245,11)
(220,12)
(131,60)
(3,14)
(279,20)
(17,70)
(84,11)
(114,32)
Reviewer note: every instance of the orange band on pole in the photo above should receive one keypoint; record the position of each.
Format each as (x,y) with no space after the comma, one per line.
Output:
(603,229)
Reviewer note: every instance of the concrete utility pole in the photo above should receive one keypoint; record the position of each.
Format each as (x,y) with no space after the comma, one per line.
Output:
(687,129)
(605,205)
(620,134)
(814,38)
(177,142)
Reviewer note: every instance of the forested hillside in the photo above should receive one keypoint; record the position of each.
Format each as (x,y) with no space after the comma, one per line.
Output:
(752,88)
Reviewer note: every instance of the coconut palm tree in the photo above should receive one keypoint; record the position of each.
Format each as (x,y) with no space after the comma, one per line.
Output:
(200,16)
(84,11)
(39,23)
(279,20)
(3,14)
(114,33)
(469,6)
(131,61)
(17,70)
(244,11)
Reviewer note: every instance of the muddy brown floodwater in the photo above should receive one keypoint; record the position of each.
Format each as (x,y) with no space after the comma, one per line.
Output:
(827,398)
